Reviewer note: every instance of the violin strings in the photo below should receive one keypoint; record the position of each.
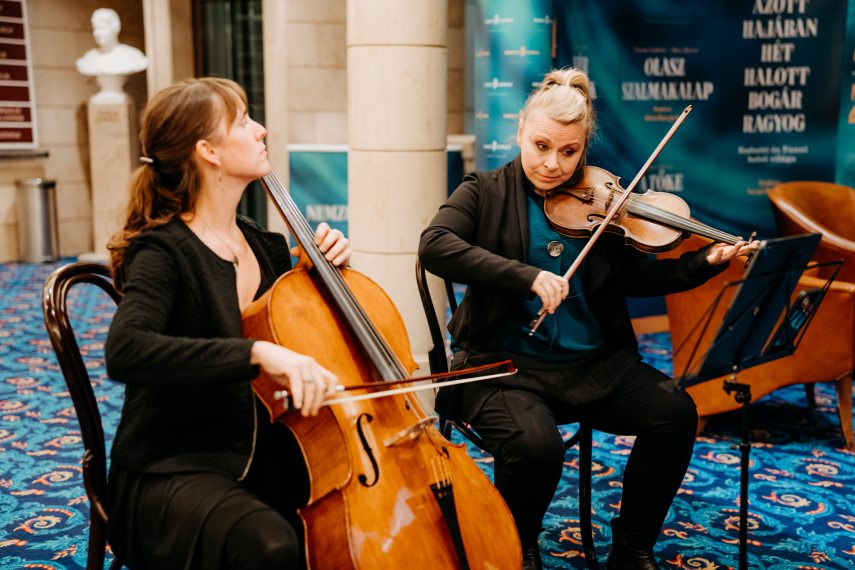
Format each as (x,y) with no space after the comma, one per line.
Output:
(385,359)
(678,222)
(699,228)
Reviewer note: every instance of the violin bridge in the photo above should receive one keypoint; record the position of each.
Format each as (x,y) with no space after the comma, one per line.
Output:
(610,197)
(585,195)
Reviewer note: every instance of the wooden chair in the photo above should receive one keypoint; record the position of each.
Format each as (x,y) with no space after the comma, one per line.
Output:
(438,362)
(58,324)
(826,352)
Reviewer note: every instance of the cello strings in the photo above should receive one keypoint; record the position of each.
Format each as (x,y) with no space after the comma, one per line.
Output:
(373,343)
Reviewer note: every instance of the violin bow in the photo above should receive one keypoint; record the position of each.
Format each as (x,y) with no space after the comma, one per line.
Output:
(541,314)
(415,384)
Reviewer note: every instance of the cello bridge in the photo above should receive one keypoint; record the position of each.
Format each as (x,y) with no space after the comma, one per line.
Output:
(411,432)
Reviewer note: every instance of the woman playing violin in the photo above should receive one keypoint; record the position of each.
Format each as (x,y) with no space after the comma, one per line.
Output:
(583,361)
(199,476)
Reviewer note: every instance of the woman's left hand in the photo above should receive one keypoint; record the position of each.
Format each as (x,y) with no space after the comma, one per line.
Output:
(333,244)
(722,252)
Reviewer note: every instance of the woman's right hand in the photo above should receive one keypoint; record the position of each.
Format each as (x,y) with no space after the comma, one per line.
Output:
(308,382)
(551,289)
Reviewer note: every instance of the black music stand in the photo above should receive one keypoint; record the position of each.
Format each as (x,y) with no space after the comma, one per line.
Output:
(761,324)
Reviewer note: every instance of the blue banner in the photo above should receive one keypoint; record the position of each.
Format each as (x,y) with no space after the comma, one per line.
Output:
(318,181)
(846,122)
(762,77)
(513,49)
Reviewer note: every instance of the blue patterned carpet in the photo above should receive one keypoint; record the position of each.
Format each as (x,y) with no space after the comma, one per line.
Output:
(801,491)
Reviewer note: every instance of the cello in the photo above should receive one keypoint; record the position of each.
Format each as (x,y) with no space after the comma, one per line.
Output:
(387,490)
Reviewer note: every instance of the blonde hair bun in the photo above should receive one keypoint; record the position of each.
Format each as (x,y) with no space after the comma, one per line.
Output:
(565,96)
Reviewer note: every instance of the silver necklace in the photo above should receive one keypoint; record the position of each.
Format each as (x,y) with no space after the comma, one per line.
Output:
(235,260)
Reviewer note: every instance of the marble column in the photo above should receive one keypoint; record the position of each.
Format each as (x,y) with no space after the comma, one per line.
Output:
(274,15)
(158,41)
(397,165)
(168,41)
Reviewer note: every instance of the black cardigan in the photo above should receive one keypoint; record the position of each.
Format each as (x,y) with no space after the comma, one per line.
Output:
(176,342)
(479,237)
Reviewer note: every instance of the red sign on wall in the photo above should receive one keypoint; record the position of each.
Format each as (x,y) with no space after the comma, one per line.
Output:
(17,103)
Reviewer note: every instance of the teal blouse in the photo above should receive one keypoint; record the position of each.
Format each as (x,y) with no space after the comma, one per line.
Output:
(572,331)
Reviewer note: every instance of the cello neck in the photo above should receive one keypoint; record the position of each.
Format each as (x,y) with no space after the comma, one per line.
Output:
(366,334)
(647,211)
(299,226)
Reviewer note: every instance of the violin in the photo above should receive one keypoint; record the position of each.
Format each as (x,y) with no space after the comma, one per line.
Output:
(604,200)
(652,222)
(386,489)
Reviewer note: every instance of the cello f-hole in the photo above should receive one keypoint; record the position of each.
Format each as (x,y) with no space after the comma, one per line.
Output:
(368,451)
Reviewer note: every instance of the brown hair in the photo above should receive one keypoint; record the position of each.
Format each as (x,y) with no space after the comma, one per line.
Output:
(173,121)
(565,94)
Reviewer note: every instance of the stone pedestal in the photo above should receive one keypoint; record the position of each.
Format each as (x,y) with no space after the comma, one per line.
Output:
(112,156)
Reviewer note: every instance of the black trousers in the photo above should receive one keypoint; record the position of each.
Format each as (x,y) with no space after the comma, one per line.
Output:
(519,426)
(206,520)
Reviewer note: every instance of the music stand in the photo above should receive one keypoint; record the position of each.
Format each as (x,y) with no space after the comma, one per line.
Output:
(761,324)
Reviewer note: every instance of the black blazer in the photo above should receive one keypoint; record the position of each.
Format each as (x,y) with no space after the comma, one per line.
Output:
(479,237)
(176,341)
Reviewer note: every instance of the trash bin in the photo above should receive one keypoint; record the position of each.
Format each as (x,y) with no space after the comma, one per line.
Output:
(38,239)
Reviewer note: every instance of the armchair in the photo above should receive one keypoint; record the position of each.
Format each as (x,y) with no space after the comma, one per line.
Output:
(819,207)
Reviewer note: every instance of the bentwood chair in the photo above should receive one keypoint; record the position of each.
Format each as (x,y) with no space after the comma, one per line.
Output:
(62,337)
(438,362)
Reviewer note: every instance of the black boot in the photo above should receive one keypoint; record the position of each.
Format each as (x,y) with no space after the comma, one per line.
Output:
(531,557)
(628,556)
(621,558)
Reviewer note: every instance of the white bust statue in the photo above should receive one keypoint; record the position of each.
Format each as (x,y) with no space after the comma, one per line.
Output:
(111,62)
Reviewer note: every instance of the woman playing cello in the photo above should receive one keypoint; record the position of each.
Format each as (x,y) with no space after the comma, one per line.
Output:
(194,458)
(583,362)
